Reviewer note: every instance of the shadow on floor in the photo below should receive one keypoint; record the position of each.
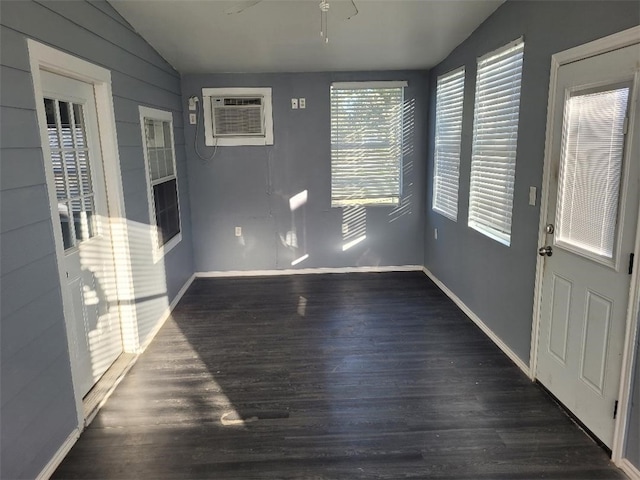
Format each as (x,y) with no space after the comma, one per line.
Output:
(326,377)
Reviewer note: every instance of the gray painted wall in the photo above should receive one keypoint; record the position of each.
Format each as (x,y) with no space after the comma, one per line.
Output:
(632,451)
(38,409)
(495,281)
(250,186)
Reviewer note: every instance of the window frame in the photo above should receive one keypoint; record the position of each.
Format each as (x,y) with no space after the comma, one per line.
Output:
(94,225)
(564,242)
(434,199)
(159,250)
(368,85)
(483,227)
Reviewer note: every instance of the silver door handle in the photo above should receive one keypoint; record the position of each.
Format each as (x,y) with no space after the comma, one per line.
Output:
(548,251)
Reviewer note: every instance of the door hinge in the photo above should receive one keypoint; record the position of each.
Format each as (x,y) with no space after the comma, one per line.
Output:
(615,410)
(625,126)
(631,255)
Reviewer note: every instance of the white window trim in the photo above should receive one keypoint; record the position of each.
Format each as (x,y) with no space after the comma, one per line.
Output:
(488,230)
(612,261)
(364,86)
(159,251)
(512,45)
(212,141)
(434,207)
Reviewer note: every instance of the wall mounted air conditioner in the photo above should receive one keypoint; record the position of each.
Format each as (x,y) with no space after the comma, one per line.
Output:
(237,116)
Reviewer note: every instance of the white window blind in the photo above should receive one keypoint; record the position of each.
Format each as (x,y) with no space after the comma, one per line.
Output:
(366,143)
(495,136)
(449,99)
(162,181)
(590,170)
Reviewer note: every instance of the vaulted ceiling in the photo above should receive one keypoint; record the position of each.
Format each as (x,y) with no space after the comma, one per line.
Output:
(210,36)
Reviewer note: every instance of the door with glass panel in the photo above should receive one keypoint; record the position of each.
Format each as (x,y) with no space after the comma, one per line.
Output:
(82,213)
(592,215)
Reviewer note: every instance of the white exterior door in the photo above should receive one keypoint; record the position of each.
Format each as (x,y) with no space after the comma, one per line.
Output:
(91,307)
(592,216)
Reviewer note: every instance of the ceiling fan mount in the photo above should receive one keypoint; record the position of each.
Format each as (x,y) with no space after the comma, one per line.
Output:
(244,5)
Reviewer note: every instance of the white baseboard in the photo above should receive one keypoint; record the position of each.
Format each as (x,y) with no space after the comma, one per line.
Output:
(165,315)
(57,458)
(483,326)
(307,271)
(629,468)
(62,452)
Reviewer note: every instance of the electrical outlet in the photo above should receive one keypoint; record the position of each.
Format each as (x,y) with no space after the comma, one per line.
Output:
(294,103)
(192,119)
(435,233)
(238,231)
(303,102)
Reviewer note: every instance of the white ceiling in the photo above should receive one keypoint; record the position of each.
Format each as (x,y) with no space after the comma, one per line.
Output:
(200,36)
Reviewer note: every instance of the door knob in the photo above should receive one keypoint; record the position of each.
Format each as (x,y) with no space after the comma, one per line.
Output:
(548,251)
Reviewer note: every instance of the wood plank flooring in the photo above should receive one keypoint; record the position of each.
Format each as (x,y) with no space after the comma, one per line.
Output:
(353,376)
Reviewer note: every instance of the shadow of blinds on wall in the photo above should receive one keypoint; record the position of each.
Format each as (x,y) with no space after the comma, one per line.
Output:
(495,136)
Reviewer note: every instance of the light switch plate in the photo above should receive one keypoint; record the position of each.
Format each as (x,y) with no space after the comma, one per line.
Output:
(294,103)
(533,196)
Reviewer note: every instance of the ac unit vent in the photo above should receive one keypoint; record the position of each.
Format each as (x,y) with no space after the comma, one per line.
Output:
(237,116)
(239,101)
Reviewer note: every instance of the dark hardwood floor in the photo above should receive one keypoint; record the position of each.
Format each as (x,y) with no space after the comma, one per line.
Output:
(353,376)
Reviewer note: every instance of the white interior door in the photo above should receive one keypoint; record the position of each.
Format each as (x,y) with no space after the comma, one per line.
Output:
(592,216)
(91,308)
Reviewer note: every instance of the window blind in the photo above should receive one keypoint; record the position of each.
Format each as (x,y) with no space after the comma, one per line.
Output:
(590,170)
(449,99)
(366,143)
(495,135)
(161,168)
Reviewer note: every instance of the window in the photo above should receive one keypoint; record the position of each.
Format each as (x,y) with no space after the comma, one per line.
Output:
(449,97)
(160,162)
(71,170)
(591,170)
(495,135)
(366,143)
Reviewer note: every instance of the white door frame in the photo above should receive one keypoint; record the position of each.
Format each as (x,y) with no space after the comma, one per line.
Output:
(600,46)
(43,57)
